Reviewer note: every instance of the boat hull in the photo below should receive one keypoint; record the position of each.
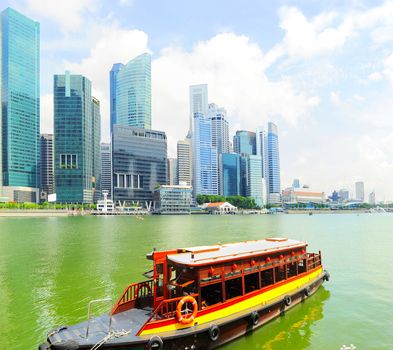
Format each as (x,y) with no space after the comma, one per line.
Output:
(202,337)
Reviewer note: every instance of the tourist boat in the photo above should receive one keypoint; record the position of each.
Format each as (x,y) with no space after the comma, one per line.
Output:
(201,297)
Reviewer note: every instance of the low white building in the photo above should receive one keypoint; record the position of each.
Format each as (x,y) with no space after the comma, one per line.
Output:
(302,195)
(105,205)
(220,208)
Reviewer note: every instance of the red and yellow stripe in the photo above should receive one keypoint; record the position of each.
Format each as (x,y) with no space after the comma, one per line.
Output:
(239,304)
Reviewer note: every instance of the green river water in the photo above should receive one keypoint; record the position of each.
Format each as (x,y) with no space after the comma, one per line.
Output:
(50,268)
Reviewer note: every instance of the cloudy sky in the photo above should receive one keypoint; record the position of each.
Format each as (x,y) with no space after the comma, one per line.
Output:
(322,70)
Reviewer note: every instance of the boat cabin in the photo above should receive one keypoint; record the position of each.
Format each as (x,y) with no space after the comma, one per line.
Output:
(216,274)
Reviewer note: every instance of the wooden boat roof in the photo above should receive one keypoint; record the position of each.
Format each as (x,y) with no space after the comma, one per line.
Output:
(206,255)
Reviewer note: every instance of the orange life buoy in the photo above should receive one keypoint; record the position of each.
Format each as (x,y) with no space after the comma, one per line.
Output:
(140,286)
(183,316)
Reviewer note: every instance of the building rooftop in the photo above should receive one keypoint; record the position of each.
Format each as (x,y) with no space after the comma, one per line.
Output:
(204,255)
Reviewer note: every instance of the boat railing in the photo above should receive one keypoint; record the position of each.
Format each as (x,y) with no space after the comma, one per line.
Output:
(313,260)
(166,309)
(88,314)
(130,295)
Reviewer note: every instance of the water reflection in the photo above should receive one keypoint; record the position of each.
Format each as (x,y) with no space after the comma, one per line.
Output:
(294,328)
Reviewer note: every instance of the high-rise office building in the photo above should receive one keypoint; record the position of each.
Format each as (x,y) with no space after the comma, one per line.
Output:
(244,142)
(112,87)
(343,194)
(20,111)
(75,137)
(205,164)
(106,169)
(47,178)
(132,90)
(230,174)
(359,191)
(139,159)
(171,171)
(254,178)
(219,128)
(272,162)
(219,134)
(198,102)
(96,138)
(184,161)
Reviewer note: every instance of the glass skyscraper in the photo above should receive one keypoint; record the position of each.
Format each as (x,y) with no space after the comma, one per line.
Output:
(198,102)
(132,85)
(96,139)
(254,178)
(112,82)
(273,175)
(20,112)
(76,123)
(230,174)
(139,159)
(205,163)
(244,142)
(106,169)
(47,164)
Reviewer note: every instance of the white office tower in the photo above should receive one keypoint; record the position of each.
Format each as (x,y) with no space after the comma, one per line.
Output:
(184,161)
(219,128)
(171,171)
(106,169)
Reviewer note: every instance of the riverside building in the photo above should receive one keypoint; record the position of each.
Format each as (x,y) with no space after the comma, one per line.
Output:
(106,169)
(139,159)
(173,199)
(20,111)
(76,124)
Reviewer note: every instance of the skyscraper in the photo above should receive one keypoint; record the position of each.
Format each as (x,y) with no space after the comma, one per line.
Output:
(133,92)
(254,178)
(139,158)
(106,169)
(244,142)
(205,165)
(96,138)
(20,112)
(112,85)
(219,128)
(184,161)
(230,174)
(359,191)
(171,169)
(47,178)
(198,102)
(371,198)
(75,137)
(272,162)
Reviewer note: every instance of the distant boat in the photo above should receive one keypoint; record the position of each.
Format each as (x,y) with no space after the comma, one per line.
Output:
(201,297)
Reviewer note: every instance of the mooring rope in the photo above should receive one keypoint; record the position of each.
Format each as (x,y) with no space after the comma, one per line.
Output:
(111,335)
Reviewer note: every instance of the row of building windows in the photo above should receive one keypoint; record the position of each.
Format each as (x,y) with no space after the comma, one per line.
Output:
(68,161)
(128,181)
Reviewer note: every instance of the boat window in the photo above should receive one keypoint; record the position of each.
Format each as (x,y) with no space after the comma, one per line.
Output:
(280,273)
(251,282)
(233,288)
(211,294)
(267,278)
(302,266)
(160,280)
(291,270)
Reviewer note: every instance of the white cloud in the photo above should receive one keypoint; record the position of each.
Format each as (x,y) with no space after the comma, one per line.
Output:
(388,68)
(46,111)
(69,15)
(335,98)
(375,76)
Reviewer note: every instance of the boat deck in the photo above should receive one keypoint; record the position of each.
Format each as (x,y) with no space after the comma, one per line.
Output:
(128,322)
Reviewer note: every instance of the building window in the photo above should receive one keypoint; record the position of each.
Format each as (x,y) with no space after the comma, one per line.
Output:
(68,161)
(128,181)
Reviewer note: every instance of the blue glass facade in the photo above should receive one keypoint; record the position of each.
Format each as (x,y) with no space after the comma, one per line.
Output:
(254,179)
(205,164)
(273,168)
(112,87)
(230,174)
(133,93)
(139,158)
(75,138)
(244,142)
(20,98)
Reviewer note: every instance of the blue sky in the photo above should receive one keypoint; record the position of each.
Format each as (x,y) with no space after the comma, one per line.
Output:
(323,71)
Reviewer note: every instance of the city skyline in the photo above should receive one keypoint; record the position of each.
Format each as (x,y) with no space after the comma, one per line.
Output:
(357,152)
